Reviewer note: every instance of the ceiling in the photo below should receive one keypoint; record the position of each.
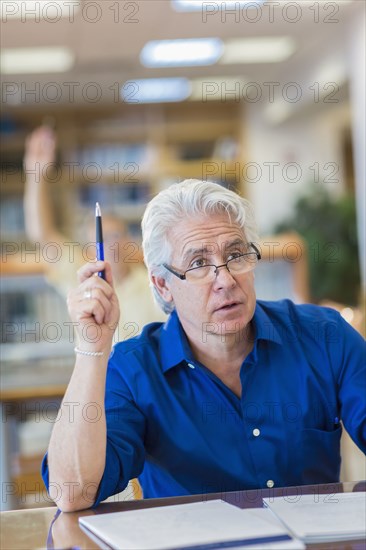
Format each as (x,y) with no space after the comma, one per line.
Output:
(107,51)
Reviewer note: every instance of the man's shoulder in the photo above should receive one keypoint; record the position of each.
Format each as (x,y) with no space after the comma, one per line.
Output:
(145,342)
(307,316)
(310,326)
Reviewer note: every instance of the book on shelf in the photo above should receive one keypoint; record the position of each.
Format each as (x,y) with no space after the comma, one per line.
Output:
(113,196)
(11,218)
(31,312)
(112,156)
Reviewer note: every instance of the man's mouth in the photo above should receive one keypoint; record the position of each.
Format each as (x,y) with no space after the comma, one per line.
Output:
(228,306)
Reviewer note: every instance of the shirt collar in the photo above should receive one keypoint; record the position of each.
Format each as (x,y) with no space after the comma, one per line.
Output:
(175,349)
(264,326)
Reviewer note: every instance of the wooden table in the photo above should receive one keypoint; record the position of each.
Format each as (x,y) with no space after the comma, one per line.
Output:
(26,529)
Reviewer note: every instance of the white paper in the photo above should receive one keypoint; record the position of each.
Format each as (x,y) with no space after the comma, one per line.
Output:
(293,544)
(321,518)
(184,525)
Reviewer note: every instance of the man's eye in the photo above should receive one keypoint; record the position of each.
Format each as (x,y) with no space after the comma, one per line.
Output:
(200,262)
(234,255)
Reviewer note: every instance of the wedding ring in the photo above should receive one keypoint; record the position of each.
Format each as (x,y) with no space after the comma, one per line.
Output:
(87,294)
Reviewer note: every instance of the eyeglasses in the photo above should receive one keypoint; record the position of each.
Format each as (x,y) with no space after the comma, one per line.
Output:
(243,263)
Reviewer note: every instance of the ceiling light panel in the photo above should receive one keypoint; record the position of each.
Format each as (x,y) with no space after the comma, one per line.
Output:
(258,50)
(181,53)
(36,60)
(156,90)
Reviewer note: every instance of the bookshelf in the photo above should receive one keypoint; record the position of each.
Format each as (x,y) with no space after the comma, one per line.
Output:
(36,364)
(125,154)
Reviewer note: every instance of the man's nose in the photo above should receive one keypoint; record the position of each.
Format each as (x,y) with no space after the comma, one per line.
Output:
(224,278)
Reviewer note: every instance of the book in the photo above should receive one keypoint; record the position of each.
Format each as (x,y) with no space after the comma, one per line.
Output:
(204,525)
(322,518)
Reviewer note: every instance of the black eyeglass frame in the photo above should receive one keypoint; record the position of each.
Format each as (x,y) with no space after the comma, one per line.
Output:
(183,277)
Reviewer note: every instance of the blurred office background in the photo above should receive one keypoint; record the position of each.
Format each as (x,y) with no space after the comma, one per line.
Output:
(264,97)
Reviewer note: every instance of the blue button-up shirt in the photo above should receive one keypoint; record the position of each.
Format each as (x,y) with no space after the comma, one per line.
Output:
(178,428)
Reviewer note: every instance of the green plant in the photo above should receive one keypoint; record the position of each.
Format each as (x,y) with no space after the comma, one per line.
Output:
(329,227)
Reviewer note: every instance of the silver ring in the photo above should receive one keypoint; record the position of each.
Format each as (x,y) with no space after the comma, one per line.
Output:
(87,294)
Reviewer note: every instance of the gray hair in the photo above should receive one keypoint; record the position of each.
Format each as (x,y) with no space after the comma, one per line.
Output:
(190,198)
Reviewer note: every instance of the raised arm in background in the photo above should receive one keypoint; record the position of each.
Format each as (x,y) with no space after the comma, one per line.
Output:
(39,155)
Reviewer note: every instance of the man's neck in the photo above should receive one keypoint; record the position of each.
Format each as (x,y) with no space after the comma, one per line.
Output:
(224,354)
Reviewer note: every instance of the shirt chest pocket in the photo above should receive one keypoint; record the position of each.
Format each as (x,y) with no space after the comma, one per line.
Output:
(320,458)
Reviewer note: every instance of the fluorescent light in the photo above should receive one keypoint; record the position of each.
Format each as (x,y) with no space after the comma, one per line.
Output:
(156,90)
(181,53)
(217,88)
(258,50)
(199,5)
(36,60)
(38,10)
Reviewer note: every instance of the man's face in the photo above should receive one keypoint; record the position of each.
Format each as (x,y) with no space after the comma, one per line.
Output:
(225,305)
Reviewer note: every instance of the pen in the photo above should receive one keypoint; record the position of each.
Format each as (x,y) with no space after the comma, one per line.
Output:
(99,237)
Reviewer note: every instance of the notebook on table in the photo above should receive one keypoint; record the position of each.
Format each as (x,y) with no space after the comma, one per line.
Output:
(206,525)
(322,518)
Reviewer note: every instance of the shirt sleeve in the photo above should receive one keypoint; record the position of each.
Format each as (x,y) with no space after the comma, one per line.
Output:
(125,453)
(348,355)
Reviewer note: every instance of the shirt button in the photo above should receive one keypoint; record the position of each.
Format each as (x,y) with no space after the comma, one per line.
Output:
(191,366)
(270,483)
(256,432)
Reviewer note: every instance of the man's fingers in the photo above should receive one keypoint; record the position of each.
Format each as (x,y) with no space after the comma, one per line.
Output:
(101,304)
(94,290)
(91,308)
(108,274)
(91,268)
(89,304)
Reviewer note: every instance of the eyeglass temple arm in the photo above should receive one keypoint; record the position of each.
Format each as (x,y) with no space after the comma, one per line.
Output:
(182,277)
(256,250)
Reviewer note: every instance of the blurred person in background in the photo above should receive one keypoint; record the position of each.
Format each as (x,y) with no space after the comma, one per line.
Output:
(130,277)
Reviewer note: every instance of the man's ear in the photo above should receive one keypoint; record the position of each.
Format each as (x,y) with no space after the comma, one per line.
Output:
(162,287)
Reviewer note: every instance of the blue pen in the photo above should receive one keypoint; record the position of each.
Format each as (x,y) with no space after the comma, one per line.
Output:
(99,237)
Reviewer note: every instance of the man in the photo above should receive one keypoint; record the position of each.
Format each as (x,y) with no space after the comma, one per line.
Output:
(230,393)
(130,277)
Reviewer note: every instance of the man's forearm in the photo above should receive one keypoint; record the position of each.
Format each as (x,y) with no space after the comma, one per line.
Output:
(77,449)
